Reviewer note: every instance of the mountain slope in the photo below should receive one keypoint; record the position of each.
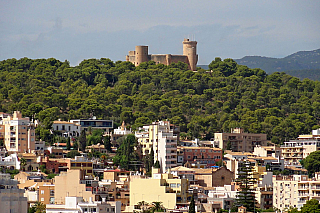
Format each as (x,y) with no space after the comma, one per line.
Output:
(302,60)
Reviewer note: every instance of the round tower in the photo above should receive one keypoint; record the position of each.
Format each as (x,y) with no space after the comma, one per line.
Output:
(190,50)
(141,55)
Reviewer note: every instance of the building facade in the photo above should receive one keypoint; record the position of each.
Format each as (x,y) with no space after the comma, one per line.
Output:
(19,133)
(66,129)
(105,125)
(11,197)
(161,187)
(189,56)
(163,138)
(294,151)
(239,141)
(203,155)
(294,190)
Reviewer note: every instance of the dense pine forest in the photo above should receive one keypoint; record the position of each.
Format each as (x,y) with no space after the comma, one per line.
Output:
(226,96)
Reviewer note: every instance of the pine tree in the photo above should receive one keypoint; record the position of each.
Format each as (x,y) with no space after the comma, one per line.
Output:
(192,206)
(246,195)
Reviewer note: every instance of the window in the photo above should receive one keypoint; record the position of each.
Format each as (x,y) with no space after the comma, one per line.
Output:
(42,192)
(42,199)
(173,185)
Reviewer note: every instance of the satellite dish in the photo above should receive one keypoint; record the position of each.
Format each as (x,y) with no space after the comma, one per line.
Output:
(94,117)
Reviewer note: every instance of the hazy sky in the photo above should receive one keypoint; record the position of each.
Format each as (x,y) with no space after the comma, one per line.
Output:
(74,30)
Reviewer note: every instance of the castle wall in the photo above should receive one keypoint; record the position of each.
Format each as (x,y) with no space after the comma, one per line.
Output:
(161,59)
(182,58)
(189,56)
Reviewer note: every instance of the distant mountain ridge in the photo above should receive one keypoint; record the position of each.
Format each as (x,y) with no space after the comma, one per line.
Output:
(302,60)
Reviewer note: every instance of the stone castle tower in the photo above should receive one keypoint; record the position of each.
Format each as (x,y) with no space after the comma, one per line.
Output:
(189,55)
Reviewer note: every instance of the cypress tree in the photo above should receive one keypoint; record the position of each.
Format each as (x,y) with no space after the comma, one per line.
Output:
(83,140)
(68,144)
(192,206)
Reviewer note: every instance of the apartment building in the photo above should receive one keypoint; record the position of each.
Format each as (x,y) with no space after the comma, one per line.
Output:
(267,151)
(239,141)
(11,197)
(163,138)
(223,195)
(294,151)
(162,187)
(10,162)
(76,204)
(116,183)
(294,190)
(264,196)
(46,193)
(81,163)
(19,133)
(202,155)
(71,183)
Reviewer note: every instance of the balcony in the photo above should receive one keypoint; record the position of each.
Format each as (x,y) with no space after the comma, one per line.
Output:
(303,188)
(317,187)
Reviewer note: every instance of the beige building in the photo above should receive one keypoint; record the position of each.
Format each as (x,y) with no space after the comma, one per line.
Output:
(71,184)
(189,56)
(116,182)
(213,177)
(19,133)
(295,190)
(80,163)
(11,197)
(165,188)
(239,141)
(267,151)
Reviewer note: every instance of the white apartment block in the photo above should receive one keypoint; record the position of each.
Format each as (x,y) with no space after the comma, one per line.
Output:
(163,137)
(76,205)
(294,190)
(19,133)
(295,150)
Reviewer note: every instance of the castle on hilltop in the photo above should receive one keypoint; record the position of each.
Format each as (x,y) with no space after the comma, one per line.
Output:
(189,56)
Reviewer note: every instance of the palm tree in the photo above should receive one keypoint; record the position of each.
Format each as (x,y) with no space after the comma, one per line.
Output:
(143,205)
(40,207)
(157,207)
(23,162)
(104,157)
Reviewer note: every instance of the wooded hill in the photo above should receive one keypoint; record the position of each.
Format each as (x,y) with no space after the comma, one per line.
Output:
(201,103)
